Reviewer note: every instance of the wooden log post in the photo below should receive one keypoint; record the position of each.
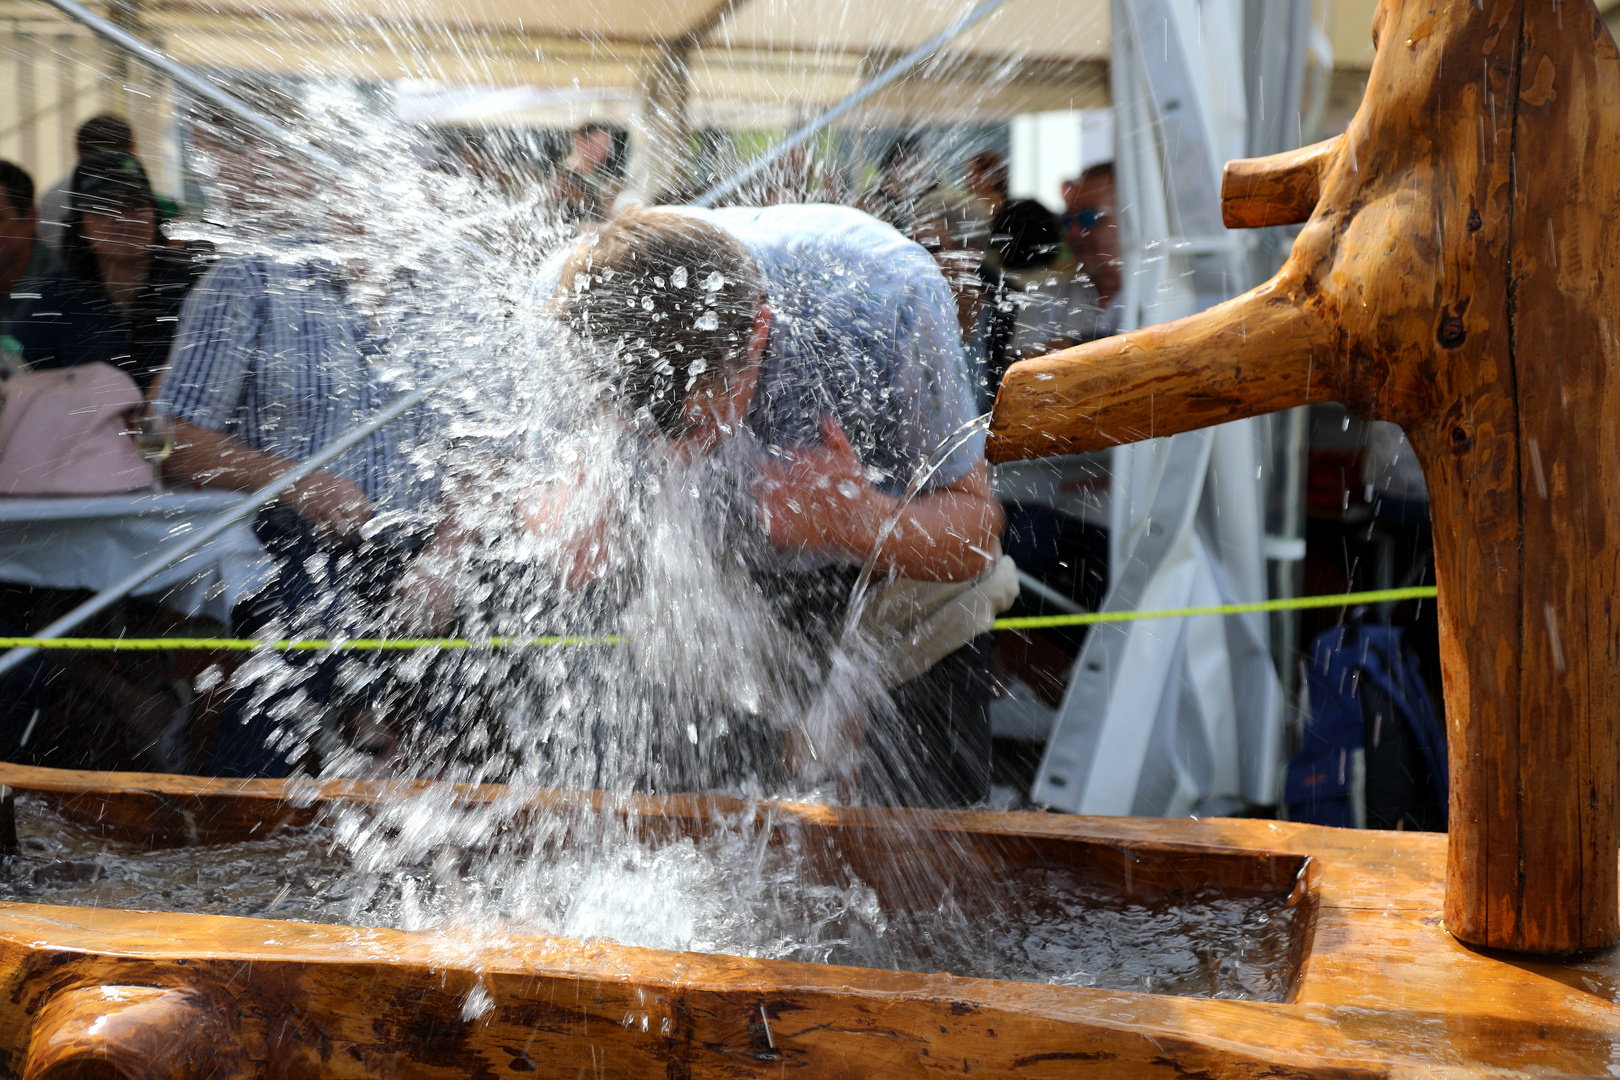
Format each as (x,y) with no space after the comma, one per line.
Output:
(1458,276)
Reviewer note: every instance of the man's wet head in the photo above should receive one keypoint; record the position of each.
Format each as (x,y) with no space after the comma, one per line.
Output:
(671,315)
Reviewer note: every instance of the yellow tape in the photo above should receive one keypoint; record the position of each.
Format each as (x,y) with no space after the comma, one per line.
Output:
(1035,622)
(1377,596)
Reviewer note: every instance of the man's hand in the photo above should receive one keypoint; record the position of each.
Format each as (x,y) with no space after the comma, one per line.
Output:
(818,498)
(333,505)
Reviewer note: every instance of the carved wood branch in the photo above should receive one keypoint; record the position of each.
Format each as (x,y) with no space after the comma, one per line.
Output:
(1282,189)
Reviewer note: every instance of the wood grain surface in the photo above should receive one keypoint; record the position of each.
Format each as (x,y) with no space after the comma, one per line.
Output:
(1456,276)
(1382,989)
(1282,189)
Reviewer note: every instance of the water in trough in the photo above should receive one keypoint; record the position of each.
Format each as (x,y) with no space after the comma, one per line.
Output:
(724,892)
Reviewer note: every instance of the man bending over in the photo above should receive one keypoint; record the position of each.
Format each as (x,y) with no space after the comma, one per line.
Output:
(832,341)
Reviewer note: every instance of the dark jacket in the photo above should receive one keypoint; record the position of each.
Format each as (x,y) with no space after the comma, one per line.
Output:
(998,320)
(74,322)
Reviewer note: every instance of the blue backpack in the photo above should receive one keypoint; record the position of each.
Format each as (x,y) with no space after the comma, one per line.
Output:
(1361,678)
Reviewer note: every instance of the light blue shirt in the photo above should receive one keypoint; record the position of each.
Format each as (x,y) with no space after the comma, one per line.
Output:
(865,328)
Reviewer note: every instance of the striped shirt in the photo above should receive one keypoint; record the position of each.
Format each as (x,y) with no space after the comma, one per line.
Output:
(270,352)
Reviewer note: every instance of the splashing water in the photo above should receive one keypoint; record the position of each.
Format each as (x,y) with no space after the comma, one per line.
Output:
(441,259)
(746,888)
(711,672)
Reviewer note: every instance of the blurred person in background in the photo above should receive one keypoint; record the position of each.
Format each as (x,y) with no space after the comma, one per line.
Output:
(986,178)
(99,135)
(119,291)
(1054,305)
(950,227)
(25,261)
(586,183)
(905,175)
(1091,230)
(114,301)
(252,185)
(104,134)
(494,160)
(274,359)
(788,180)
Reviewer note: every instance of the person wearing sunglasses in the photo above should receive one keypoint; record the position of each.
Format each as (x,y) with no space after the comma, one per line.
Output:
(1091,230)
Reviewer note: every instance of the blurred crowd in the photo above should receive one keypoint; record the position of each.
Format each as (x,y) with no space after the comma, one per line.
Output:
(220,354)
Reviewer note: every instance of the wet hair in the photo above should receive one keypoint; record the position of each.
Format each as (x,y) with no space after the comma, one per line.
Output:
(18,187)
(102,181)
(662,301)
(1026,234)
(104,134)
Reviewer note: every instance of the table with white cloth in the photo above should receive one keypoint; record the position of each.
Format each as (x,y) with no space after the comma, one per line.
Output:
(89,542)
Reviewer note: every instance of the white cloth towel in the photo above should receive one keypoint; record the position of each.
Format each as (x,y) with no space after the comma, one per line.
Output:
(916,624)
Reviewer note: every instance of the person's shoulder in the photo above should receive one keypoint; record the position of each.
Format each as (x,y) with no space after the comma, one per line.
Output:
(822,232)
(235,272)
(827,220)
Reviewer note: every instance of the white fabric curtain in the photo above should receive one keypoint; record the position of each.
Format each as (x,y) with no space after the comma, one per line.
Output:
(1175,716)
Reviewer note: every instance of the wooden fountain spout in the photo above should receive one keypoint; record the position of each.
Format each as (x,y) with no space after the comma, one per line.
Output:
(1458,274)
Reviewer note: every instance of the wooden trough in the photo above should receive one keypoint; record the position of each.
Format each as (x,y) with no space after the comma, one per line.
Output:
(1377,986)
(1458,275)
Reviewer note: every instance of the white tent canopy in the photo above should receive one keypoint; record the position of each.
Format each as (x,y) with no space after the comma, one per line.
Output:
(752,64)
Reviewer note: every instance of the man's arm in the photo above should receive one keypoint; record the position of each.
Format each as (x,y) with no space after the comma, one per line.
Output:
(328,502)
(820,500)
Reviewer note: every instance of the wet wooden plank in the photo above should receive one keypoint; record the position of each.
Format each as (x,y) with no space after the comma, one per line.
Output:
(1384,988)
